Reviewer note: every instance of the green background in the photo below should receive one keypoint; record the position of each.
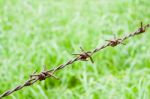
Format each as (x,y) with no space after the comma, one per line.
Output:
(34,33)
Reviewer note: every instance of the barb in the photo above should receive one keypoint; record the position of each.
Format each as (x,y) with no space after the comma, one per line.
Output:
(84,55)
(80,57)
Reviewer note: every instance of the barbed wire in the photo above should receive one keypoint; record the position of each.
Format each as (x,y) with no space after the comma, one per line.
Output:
(83,56)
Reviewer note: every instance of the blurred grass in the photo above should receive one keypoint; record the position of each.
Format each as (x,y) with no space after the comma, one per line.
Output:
(36,33)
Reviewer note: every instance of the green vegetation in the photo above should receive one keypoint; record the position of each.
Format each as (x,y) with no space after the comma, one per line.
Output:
(34,33)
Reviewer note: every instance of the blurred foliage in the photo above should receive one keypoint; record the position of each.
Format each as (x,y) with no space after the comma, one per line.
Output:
(34,33)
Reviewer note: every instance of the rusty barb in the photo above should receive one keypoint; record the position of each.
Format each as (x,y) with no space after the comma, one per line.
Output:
(43,75)
(83,56)
(142,28)
(115,42)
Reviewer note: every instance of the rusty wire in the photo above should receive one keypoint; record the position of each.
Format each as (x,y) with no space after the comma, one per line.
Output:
(83,56)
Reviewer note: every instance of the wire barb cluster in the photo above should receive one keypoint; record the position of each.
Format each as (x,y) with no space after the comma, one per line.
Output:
(43,75)
(84,56)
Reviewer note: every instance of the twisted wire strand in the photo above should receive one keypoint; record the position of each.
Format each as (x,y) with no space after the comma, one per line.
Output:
(27,83)
(81,57)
